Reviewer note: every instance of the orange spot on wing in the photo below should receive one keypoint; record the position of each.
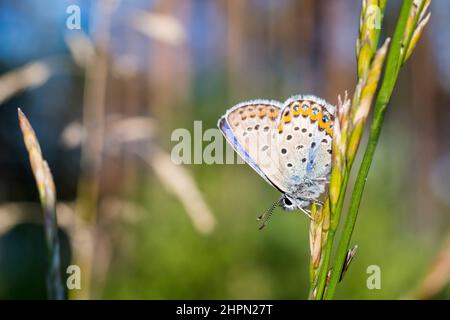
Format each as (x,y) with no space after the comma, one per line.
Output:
(280,127)
(273,113)
(287,117)
(316,116)
(322,124)
(295,107)
(305,109)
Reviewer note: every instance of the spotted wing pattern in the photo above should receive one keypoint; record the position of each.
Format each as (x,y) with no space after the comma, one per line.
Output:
(287,144)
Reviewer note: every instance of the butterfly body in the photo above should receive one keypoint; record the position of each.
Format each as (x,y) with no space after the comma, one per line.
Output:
(288,144)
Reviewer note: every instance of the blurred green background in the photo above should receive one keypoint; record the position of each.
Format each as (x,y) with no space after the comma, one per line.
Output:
(105,99)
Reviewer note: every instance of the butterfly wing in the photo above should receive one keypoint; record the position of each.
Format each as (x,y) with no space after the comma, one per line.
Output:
(250,129)
(304,138)
(288,144)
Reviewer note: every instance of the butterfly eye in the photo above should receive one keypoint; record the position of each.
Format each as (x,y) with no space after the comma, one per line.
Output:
(287,202)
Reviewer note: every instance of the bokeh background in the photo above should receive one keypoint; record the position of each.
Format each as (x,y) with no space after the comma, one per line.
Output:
(105,99)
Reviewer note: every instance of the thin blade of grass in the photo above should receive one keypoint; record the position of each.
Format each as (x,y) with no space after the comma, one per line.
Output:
(393,65)
(47,195)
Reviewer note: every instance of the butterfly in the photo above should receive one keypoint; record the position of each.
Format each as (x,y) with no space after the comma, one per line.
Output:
(288,144)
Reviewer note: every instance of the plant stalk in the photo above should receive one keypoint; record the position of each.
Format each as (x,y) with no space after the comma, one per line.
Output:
(393,65)
(322,281)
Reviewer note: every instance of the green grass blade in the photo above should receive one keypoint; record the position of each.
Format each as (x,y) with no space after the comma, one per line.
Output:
(393,65)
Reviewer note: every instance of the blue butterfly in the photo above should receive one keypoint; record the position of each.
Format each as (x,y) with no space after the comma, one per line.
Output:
(288,144)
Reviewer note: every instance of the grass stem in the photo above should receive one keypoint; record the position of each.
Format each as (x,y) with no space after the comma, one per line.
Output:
(394,62)
(47,195)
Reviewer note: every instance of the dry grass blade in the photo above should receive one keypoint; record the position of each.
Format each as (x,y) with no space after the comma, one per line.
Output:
(437,276)
(179,182)
(363,102)
(119,131)
(348,260)
(417,20)
(315,235)
(94,111)
(81,48)
(131,129)
(340,129)
(162,27)
(47,195)
(31,75)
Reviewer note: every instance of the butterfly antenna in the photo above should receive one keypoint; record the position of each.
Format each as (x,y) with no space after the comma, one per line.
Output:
(266,215)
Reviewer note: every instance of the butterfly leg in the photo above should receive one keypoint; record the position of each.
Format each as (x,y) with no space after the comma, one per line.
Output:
(307,212)
(320,202)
